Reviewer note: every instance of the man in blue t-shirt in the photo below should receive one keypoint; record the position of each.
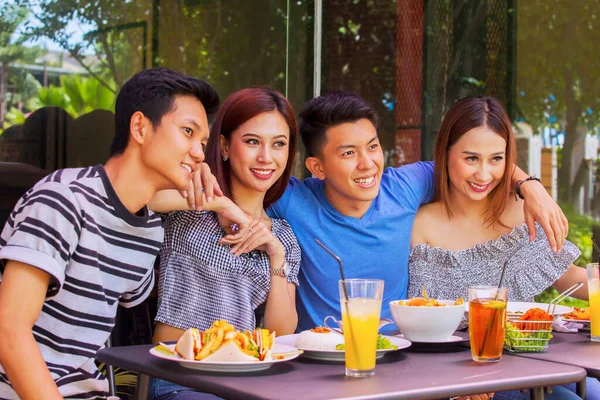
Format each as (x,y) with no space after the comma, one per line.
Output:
(360,211)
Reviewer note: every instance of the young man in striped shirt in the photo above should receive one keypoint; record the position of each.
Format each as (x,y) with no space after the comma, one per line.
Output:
(82,241)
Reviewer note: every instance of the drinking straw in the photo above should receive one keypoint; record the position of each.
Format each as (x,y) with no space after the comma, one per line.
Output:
(339,260)
(496,298)
(597,248)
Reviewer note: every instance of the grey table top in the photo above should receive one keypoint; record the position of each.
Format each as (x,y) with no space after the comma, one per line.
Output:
(573,349)
(399,375)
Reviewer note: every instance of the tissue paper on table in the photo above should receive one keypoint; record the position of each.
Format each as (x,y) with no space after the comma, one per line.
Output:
(562,325)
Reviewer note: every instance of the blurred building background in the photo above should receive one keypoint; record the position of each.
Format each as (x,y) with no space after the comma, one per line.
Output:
(62,63)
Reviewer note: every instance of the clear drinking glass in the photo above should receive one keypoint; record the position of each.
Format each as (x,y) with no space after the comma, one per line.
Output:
(360,315)
(487,321)
(593,281)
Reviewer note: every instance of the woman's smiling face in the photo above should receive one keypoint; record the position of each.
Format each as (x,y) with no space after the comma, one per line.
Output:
(476,163)
(258,152)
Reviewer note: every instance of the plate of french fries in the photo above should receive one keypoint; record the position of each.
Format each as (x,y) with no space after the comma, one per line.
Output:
(221,348)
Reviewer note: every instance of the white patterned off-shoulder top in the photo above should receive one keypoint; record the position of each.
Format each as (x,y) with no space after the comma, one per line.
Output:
(447,274)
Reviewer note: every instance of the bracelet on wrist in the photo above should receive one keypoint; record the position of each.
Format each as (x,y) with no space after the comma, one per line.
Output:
(518,193)
(283,271)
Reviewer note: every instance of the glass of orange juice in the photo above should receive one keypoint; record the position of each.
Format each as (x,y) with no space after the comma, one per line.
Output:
(360,301)
(594,297)
(487,321)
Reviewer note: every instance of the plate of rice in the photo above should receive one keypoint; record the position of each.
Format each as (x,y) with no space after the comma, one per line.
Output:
(321,343)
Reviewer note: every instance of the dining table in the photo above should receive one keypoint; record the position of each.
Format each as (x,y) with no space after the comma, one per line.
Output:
(572,348)
(403,374)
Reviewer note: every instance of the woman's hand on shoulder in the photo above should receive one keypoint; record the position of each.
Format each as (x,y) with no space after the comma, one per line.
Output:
(260,238)
(202,188)
(235,222)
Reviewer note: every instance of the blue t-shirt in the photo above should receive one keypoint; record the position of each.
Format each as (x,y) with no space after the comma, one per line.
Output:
(375,246)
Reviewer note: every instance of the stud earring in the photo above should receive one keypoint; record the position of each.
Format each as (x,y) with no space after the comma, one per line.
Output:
(225,158)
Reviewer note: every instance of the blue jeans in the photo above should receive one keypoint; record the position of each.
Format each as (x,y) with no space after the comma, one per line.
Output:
(592,388)
(164,390)
(564,392)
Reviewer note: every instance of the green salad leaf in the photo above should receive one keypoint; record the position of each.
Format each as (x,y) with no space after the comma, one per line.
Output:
(382,344)
(517,341)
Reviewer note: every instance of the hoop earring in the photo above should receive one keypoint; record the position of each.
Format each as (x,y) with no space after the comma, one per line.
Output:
(225,158)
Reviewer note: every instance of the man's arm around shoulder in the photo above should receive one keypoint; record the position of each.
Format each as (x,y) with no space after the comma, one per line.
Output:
(420,177)
(22,294)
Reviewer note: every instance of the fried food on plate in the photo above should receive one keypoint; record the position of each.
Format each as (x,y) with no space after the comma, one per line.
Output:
(221,342)
(580,314)
(425,301)
(535,316)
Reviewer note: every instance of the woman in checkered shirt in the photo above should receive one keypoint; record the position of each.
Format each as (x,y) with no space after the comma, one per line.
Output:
(204,274)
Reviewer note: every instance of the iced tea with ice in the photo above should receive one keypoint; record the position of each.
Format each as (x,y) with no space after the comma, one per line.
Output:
(487,322)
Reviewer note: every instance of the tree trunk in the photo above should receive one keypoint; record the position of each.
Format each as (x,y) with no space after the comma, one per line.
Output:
(566,190)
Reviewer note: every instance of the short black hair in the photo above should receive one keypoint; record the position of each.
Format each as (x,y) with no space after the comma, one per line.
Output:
(334,108)
(153,92)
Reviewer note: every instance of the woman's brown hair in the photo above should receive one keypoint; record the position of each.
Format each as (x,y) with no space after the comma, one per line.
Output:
(464,115)
(238,108)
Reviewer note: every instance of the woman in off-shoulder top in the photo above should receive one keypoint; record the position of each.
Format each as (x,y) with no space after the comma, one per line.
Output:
(476,223)
(533,266)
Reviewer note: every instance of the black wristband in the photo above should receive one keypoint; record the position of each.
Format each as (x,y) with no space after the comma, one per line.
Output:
(518,193)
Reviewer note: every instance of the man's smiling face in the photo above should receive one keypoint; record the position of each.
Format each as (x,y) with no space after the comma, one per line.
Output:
(351,164)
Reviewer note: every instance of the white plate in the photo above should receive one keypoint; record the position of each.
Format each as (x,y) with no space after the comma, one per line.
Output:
(338,355)
(570,322)
(245,366)
(452,339)
(582,321)
(452,343)
(517,307)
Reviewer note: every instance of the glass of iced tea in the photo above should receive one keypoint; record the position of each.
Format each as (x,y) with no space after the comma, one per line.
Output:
(360,302)
(487,320)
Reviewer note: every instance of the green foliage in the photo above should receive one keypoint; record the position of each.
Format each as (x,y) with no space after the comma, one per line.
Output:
(22,87)
(78,95)
(11,45)
(55,96)
(580,234)
(14,117)
(554,40)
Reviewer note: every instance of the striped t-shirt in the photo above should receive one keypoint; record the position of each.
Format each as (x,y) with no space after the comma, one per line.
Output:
(73,226)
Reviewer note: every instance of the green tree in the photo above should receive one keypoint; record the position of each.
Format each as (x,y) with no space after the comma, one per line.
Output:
(109,47)
(11,47)
(558,76)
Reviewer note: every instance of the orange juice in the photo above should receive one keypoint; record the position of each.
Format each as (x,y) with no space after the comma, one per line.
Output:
(360,332)
(594,297)
(487,319)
